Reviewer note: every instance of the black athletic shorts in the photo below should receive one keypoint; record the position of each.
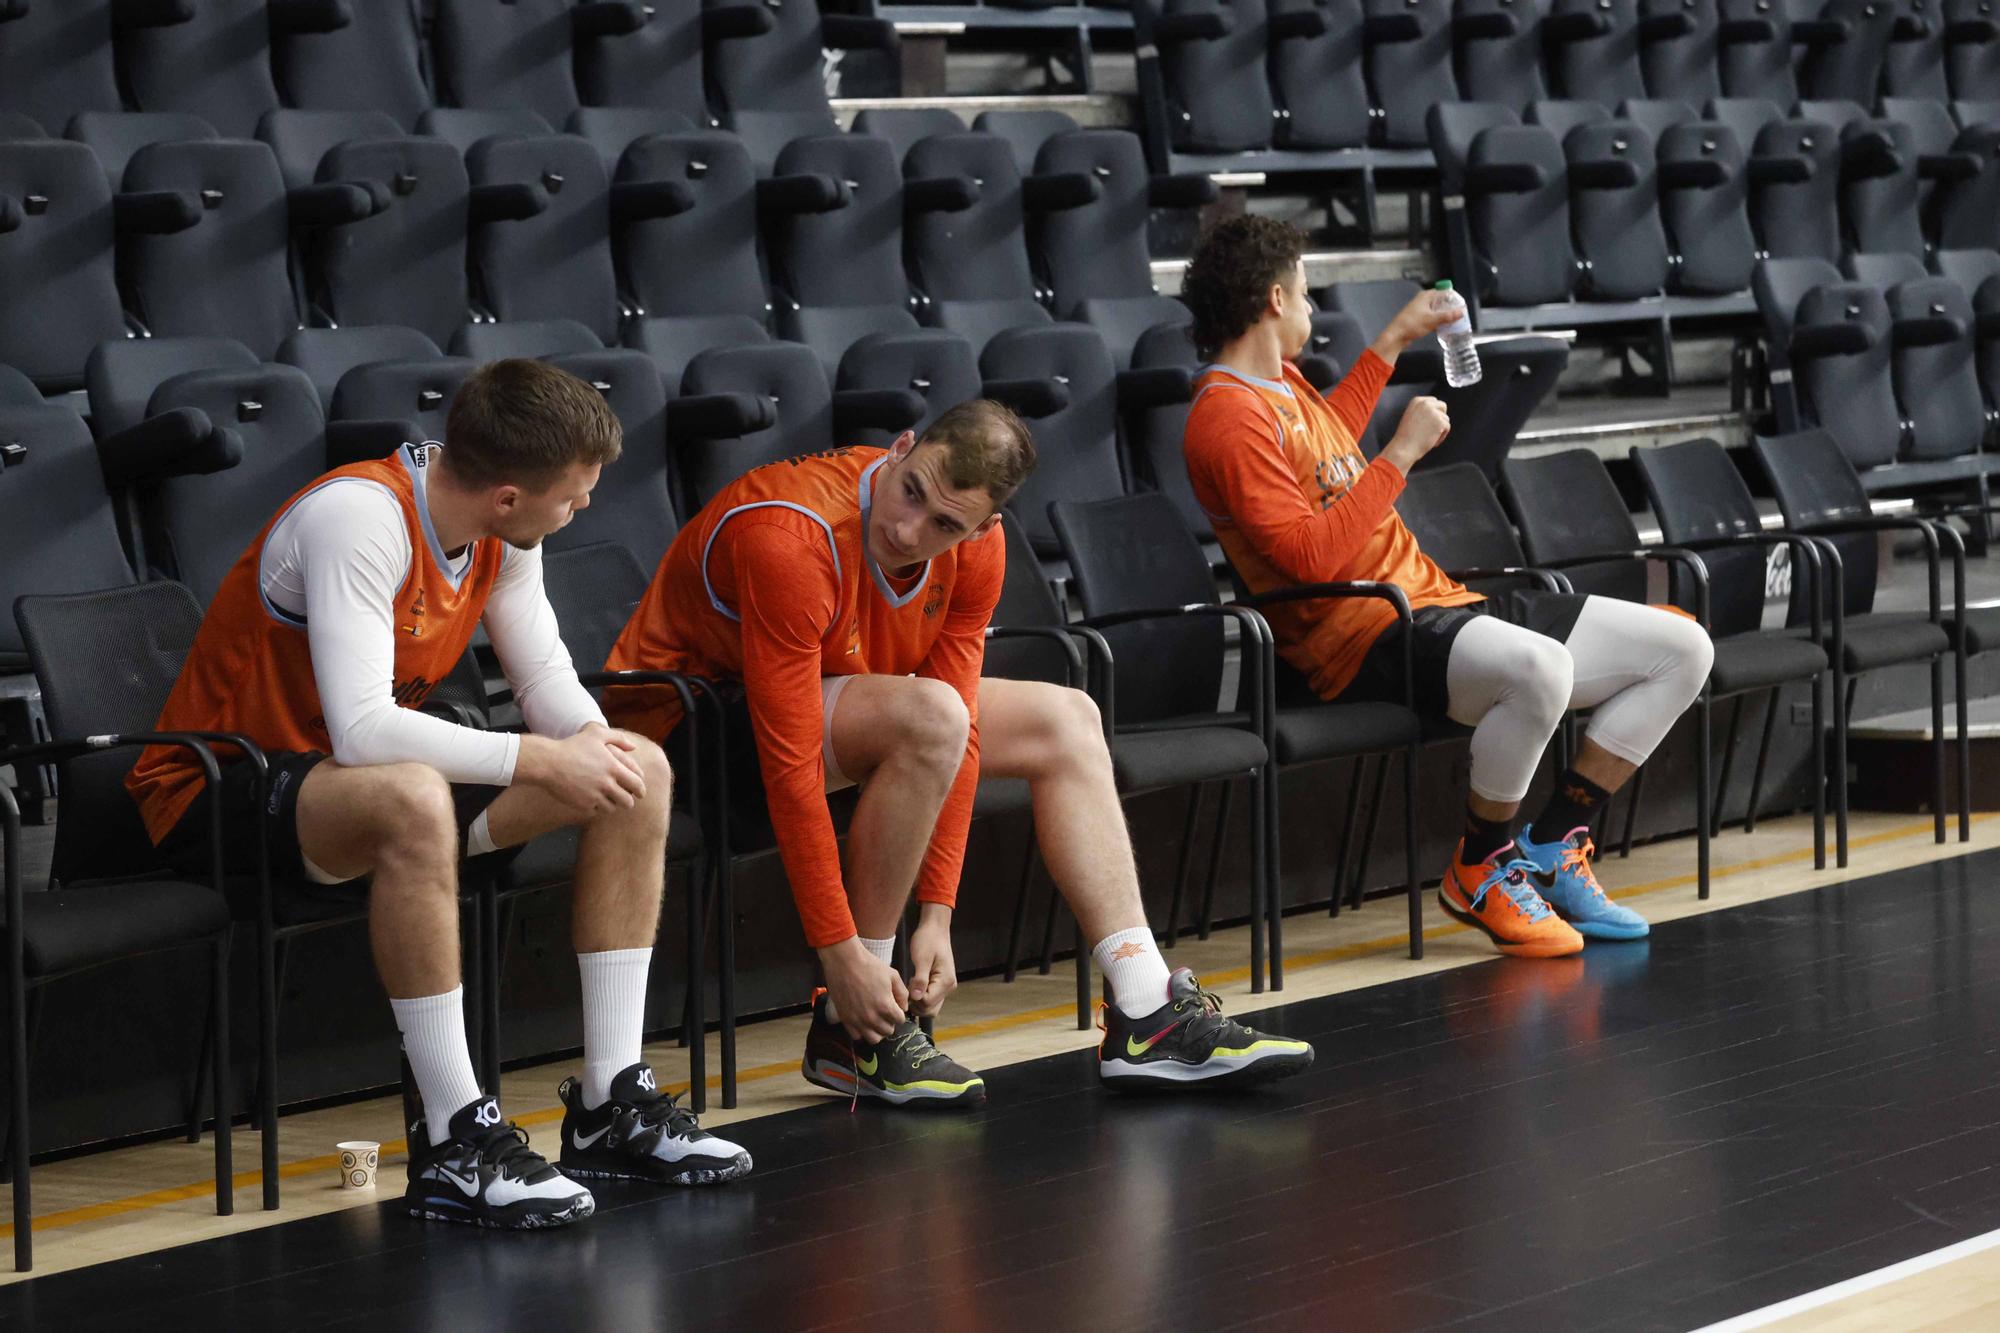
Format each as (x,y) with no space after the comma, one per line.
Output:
(185,847)
(1433,629)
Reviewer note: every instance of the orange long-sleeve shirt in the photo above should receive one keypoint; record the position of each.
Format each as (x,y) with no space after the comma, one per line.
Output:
(1293,500)
(772,585)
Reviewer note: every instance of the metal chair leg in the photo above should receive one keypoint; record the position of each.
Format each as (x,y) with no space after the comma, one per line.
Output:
(1763,753)
(1367,848)
(225,1171)
(1844,691)
(693,1023)
(1185,870)
(1704,760)
(1259,881)
(1728,765)
(1964,748)
(1415,890)
(725,974)
(1083,996)
(1820,776)
(1937,750)
(1020,910)
(1215,860)
(1048,959)
(1345,851)
(1274,893)
(17,1050)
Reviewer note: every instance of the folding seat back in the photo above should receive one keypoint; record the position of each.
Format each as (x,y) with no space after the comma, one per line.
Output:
(613,129)
(1615,211)
(1986,308)
(326,355)
(375,63)
(405,265)
(1798,218)
(1913,65)
(1077,447)
(1745,116)
(1850,69)
(1779,286)
(1025,132)
(1852,395)
(1560,115)
(1934,366)
(216,65)
(771,88)
(301,139)
(1095,255)
(1499,47)
(57,60)
(418,391)
(1591,520)
(1411,75)
(1962,211)
(1972,65)
(1756,56)
(1158,431)
(56,262)
(702,261)
(1881,211)
(941,368)
(532,338)
(659,65)
(790,377)
(972,265)
(1697,494)
(507,53)
(228,273)
(1218,97)
(114,136)
(904,128)
(462,128)
(1932,135)
(556,264)
(1681,63)
(1602,66)
(1320,81)
(195,527)
(839,274)
(1967,267)
(1520,237)
(62,533)
(633,504)
(1655,115)
(122,373)
(1707,222)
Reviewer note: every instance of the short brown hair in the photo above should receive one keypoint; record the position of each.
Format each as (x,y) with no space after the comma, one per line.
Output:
(985,445)
(523,422)
(1232,273)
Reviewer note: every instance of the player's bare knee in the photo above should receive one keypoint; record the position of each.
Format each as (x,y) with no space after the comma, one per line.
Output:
(1078,727)
(417,820)
(658,773)
(935,724)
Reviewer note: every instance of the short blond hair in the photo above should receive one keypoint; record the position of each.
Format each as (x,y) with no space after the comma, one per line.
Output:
(986,445)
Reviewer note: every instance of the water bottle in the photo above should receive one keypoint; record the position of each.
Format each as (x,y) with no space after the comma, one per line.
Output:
(1461,358)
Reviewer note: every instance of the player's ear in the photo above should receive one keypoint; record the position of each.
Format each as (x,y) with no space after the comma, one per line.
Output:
(986,525)
(900,447)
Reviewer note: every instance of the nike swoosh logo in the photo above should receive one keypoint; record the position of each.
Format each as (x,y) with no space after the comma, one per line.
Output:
(471,1187)
(1133,1046)
(870,1065)
(585,1140)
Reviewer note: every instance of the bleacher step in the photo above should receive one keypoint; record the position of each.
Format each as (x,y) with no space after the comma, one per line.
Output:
(1089,110)
(1325,266)
(1616,439)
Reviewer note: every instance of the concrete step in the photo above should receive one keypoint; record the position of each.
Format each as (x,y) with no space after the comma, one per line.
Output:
(1090,110)
(1326,266)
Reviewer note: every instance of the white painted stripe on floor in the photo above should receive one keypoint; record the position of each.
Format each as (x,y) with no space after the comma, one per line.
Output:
(1854,1286)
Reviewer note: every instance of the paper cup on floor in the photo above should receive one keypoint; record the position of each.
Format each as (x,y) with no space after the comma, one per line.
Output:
(358,1160)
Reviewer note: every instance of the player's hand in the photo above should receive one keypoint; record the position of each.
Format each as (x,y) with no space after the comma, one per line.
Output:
(867,993)
(1424,315)
(592,772)
(1423,428)
(933,971)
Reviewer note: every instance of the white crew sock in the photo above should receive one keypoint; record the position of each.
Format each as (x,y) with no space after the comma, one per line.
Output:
(479,839)
(884,950)
(1132,963)
(614,1016)
(433,1028)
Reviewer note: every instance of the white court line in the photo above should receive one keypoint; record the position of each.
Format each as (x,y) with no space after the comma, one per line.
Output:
(1854,1286)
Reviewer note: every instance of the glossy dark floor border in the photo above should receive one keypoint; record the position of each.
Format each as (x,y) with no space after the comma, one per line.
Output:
(1755,1103)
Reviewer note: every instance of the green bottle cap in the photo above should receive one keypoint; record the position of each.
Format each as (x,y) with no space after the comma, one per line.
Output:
(1444,284)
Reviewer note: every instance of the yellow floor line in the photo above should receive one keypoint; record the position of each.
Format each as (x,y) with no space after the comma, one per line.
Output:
(1312,958)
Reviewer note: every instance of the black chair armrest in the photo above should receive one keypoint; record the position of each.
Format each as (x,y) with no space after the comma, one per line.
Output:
(715,416)
(150,13)
(1575,26)
(1820,558)
(730,21)
(1815,340)
(1926,331)
(640,201)
(179,443)
(1297,23)
(305,16)
(883,409)
(1155,386)
(1491,25)
(155,212)
(1257,646)
(11,216)
(1062,638)
(1182,191)
(12,453)
(1665,27)
(1696,567)
(607,18)
(1033,399)
(1869,154)
(1178,29)
(1398,600)
(809,193)
(1059,190)
(1743,32)
(852,32)
(1547,579)
(1948,166)
(1505,177)
(1693,173)
(1987,324)
(1909,28)
(1609,173)
(1780,170)
(1386,29)
(335,203)
(1923,527)
(1971,32)
(364,441)
(1819,32)
(940,194)
(510,201)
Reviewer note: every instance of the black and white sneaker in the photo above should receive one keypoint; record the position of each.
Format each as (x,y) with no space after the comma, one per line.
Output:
(485,1174)
(641,1134)
(1187,1042)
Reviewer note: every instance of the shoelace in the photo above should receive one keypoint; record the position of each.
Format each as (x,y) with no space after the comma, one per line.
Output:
(918,1058)
(667,1110)
(1576,860)
(1512,880)
(505,1147)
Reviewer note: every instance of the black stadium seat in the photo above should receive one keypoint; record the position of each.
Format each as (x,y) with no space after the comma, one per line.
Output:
(1077,447)
(406,264)
(301,140)
(633,503)
(972,264)
(216,65)
(56,60)
(770,86)
(377,62)
(326,355)
(56,261)
(115,136)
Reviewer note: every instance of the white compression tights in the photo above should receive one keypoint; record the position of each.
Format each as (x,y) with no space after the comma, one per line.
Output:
(1637,666)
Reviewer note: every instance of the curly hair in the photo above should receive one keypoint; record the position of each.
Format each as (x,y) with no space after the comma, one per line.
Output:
(1231,274)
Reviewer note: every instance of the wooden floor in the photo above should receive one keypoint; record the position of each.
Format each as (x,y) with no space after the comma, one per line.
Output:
(132,1202)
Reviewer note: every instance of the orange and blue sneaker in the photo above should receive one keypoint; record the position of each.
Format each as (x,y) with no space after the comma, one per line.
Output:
(1498,896)
(1565,880)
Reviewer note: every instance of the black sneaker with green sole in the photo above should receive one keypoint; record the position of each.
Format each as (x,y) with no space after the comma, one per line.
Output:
(904,1069)
(1187,1043)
